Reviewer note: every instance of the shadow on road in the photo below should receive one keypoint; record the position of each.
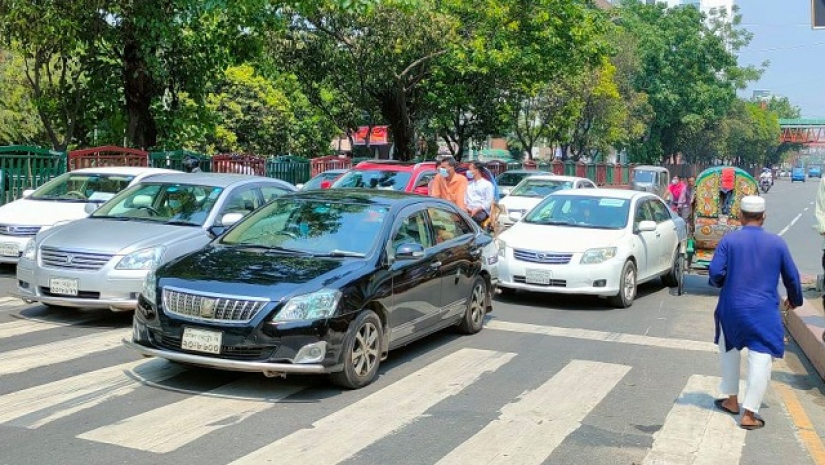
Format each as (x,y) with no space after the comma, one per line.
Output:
(572,302)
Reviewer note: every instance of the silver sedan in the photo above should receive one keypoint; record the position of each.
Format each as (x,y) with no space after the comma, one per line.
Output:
(101,261)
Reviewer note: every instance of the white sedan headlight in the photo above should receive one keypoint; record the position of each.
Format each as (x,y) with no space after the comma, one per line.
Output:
(150,287)
(502,248)
(593,256)
(145,259)
(30,250)
(317,305)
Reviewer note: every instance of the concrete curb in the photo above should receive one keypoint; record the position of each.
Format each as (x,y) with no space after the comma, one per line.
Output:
(806,325)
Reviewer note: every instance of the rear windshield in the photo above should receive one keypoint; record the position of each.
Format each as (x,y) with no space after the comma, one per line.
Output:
(374,179)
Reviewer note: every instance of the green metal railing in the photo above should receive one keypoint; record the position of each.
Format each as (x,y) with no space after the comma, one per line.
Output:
(26,167)
(173,159)
(295,170)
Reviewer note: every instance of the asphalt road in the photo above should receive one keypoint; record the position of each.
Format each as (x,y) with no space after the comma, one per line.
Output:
(551,379)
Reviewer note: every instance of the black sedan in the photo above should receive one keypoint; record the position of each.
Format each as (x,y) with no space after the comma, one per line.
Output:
(318,282)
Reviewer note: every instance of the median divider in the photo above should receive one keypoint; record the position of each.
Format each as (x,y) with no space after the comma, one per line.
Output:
(806,325)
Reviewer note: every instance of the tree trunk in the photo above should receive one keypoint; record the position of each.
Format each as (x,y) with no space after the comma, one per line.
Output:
(139,88)
(393,105)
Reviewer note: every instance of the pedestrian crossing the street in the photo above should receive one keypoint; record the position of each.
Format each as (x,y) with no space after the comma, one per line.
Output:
(525,428)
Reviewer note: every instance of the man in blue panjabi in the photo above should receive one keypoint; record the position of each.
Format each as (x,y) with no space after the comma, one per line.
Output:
(747,265)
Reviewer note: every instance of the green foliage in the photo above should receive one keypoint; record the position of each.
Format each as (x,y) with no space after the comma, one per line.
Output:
(19,121)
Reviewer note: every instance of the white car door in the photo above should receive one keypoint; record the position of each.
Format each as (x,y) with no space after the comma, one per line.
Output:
(666,236)
(644,247)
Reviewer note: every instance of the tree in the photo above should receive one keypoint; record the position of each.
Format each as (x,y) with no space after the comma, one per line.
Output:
(688,70)
(19,120)
(783,107)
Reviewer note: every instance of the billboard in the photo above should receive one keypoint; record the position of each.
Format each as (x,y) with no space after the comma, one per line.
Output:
(378,136)
(818,14)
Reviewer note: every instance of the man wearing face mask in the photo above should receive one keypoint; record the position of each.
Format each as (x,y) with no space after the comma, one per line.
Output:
(479,197)
(449,185)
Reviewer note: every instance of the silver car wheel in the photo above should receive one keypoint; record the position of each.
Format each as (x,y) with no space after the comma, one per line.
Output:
(365,353)
(629,284)
(477,304)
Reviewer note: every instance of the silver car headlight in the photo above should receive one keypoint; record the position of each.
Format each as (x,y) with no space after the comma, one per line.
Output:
(30,250)
(144,259)
(150,284)
(317,305)
(598,255)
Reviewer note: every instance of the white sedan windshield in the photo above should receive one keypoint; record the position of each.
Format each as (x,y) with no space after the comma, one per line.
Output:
(581,211)
(163,203)
(83,187)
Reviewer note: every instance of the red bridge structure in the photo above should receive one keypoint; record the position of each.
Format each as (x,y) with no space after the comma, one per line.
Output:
(803,131)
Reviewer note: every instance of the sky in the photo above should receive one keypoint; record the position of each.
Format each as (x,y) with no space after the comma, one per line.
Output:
(782,34)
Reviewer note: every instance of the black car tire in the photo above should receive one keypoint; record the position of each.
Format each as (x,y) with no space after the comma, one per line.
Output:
(473,319)
(364,337)
(671,279)
(627,290)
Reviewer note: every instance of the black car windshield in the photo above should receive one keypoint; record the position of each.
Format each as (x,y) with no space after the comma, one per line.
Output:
(644,176)
(83,187)
(318,227)
(581,211)
(540,188)
(374,179)
(181,204)
(511,179)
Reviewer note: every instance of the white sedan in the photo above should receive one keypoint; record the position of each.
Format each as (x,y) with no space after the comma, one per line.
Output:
(600,242)
(530,191)
(68,197)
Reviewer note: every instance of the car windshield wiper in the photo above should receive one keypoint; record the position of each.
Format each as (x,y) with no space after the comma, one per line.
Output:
(339,253)
(180,223)
(274,248)
(108,217)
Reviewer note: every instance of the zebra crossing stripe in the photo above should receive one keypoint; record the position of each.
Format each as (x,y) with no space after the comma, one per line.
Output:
(39,405)
(341,435)
(695,431)
(532,426)
(20,327)
(167,428)
(603,336)
(18,361)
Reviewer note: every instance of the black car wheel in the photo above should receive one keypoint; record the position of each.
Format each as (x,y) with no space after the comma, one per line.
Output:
(627,287)
(473,319)
(671,279)
(362,352)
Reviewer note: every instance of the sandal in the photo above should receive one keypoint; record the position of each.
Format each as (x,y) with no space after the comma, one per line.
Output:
(719,404)
(759,425)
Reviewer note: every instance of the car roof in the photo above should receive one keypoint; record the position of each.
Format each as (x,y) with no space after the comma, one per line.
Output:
(650,168)
(333,171)
(125,170)
(393,165)
(554,177)
(214,179)
(612,193)
(360,195)
(523,171)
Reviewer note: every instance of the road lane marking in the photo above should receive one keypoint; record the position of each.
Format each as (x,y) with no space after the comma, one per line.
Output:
(194,417)
(339,436)
(39,405)
(603,336)
(695,431)
(790,225)
(11,302)
(18,361)
(20,327)
(530,428)
(807,432)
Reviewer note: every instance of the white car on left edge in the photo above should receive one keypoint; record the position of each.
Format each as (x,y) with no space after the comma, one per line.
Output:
(68,197)
(601,242)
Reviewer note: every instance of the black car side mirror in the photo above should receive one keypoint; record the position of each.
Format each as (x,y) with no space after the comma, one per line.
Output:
(409,251)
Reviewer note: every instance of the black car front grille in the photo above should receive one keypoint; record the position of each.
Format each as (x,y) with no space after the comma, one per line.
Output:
(553,282)
(229,352)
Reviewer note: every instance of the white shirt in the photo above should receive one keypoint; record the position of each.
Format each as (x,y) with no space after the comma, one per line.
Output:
(479,194)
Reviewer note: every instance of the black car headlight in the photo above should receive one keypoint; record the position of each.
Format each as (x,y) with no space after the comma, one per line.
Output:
(313,306)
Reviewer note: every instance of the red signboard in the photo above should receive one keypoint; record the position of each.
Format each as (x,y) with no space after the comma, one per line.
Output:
(378,136)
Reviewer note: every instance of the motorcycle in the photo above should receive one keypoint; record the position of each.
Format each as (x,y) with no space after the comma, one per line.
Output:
(765,184)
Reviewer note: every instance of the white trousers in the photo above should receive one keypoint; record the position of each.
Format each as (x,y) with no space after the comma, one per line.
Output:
(759,375)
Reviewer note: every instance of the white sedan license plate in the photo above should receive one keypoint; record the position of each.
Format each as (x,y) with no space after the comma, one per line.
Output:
(200,340)
(538,277)
(9,250)
(63,286)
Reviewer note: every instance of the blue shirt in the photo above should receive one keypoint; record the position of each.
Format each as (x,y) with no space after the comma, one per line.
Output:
(747,265)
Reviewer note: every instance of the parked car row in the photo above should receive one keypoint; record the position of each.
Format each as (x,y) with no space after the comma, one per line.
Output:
(243,273)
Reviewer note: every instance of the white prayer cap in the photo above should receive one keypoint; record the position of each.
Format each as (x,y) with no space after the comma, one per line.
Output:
(753,204)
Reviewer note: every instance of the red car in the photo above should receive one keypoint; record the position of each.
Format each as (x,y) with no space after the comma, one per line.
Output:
(389,175)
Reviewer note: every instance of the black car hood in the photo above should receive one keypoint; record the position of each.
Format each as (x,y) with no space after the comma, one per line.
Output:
(255,273)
